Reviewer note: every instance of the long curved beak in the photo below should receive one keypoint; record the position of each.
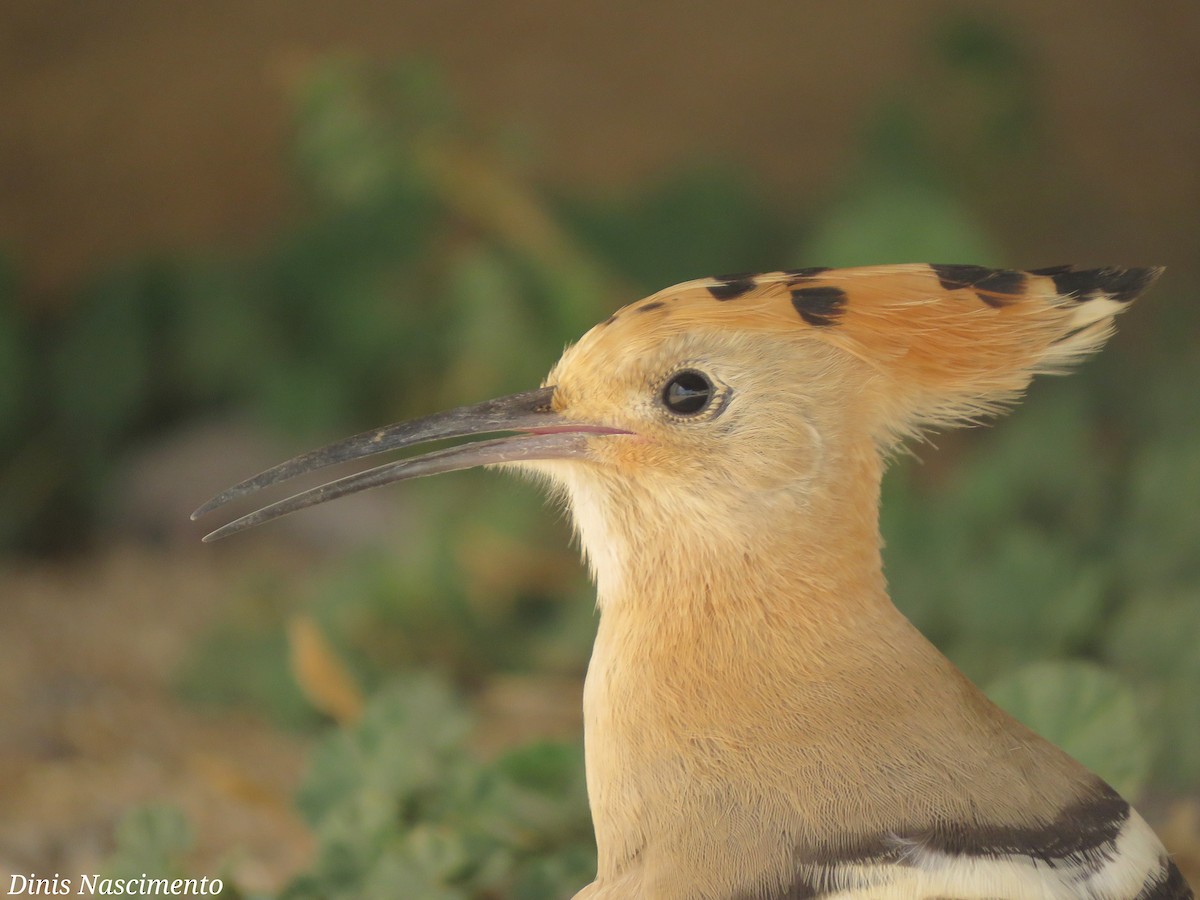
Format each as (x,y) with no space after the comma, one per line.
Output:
(542,434)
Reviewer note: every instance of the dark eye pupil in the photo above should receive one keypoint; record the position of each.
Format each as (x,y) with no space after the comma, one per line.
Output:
(687,393)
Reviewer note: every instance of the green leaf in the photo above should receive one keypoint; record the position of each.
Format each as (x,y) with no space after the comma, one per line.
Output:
(150,840)
(102,364)
(546,767)
(1024,597)
(427,862)
(1159,542)
(489,324)
(989,71)
(701,222)
(898,220)
(15,360)
(1156,639)
(357,124)
(1028,469)
(1156,634)
(243,659)
(1089,712)
(383,770)
(400,808)
(224,335)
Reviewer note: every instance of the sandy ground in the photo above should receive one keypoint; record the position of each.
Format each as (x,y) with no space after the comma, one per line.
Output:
(91,728)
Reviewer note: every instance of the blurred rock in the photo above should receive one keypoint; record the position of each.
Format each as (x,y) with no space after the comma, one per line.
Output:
(161,482)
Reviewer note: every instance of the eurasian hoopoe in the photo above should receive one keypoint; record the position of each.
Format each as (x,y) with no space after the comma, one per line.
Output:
(761,722)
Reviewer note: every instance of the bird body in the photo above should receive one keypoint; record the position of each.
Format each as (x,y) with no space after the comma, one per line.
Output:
(761,722)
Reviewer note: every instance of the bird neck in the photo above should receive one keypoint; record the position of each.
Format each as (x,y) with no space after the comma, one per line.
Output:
(797,556)
(754,666)
(715,632)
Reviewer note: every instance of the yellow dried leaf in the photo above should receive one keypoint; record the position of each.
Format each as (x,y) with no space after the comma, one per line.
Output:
(322,676)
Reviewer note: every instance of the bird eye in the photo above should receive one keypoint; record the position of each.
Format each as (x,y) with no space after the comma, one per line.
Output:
(687,393)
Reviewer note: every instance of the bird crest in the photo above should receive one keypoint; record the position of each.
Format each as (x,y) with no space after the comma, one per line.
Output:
(949,342)
(761,721)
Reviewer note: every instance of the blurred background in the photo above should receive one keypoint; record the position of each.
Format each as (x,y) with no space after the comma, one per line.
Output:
(231,231)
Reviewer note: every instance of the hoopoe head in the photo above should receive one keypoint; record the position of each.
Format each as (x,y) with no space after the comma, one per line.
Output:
(749,396)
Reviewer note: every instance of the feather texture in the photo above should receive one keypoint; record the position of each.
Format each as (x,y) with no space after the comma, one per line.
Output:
(761,722)
(951,342)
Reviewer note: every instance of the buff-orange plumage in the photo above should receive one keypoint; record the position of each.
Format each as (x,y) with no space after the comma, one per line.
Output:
(761,722)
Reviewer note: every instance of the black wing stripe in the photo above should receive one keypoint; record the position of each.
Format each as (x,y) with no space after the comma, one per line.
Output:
(1168,884)
(1083,835)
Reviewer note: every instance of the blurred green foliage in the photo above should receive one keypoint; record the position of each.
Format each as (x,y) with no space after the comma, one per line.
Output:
(400,809)
(1088,711)
(152,842)
(1054,560)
